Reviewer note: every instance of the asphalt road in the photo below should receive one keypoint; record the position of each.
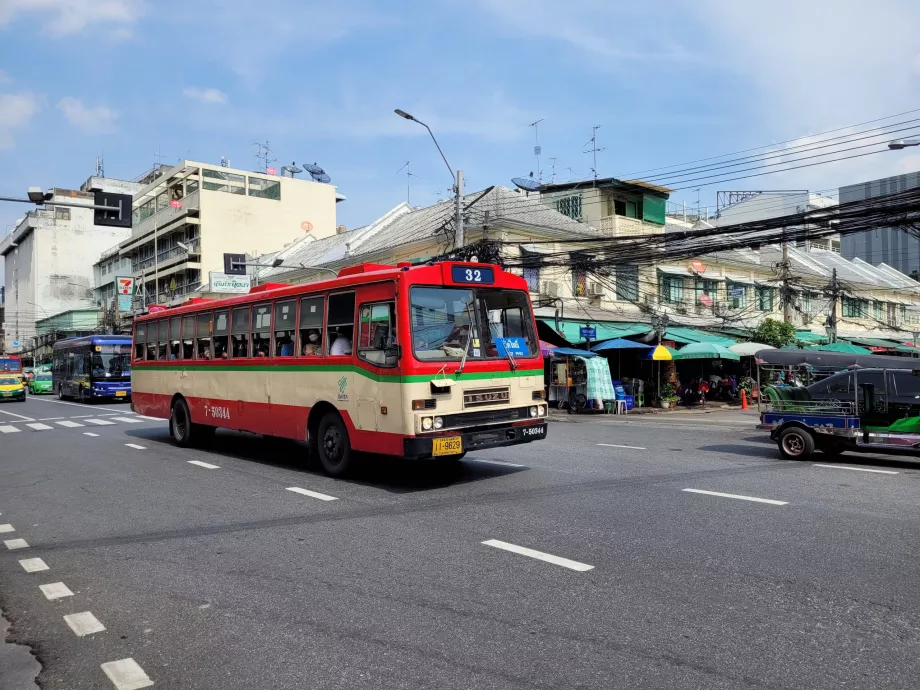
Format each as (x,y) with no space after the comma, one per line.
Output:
(218,576)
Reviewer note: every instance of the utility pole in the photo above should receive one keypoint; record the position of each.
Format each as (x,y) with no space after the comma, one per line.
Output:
(787,290)
(459,189)
(833,292)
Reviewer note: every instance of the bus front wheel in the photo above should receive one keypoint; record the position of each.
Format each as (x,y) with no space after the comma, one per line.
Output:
(333,445)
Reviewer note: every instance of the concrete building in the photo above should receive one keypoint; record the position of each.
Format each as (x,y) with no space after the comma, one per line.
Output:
(892,246)
(188,215)
(48,259)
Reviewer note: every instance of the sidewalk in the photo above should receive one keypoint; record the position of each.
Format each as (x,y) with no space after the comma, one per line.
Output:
(719,412)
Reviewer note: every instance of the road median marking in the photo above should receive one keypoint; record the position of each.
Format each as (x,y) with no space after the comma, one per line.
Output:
(7,528)
(38,426)
(126,674)
(127,420)
(539,555)
(13,544)
(855,469)
(6,429)
(90,433)
(100,422)
(56,590)
(19,416)
(495,462)
(33,565)
(84,623)
(206,465)
(312,494)
(69,425)
(135,446)
(739,497)
(614,445)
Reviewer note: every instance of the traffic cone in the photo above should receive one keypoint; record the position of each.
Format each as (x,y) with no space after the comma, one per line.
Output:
(744,404)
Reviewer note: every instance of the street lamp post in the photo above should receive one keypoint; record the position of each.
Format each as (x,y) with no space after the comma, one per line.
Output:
(457,178)
(898,144)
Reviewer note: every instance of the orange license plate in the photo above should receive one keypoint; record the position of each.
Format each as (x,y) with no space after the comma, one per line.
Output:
(448,445)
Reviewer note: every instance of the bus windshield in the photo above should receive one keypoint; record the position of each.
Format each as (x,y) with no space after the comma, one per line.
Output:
(111,361)
(489,323)
(10,365)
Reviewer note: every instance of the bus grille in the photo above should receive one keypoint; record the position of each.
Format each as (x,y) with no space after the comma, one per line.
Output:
(473,419)
(482,397)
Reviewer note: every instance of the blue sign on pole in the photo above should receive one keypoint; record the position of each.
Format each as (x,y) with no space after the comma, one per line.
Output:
(587,332)
(736,292)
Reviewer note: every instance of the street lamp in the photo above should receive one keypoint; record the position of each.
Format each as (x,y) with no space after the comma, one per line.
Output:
(458,178)
(898,144)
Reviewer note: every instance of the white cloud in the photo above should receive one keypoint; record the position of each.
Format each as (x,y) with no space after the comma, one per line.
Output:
(96,119)
(64,17)
(16,109)
(206,95)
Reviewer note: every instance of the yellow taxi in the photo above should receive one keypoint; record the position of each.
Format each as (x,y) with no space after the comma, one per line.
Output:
(11,388)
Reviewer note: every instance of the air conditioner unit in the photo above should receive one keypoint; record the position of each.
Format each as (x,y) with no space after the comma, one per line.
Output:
(550,288)
(595,289)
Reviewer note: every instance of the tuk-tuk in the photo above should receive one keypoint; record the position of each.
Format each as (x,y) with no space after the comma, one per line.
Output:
(835,402)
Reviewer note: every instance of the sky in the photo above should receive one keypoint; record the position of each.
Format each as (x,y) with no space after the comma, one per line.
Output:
(141,81)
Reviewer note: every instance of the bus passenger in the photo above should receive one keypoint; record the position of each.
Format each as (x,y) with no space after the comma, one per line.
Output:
(341,345)
(313,347)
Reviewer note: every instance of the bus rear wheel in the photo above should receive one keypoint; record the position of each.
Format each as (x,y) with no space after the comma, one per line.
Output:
(180,424)
(61,395)
(333,445)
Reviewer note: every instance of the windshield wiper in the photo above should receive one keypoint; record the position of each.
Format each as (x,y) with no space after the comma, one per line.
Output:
(511,361)
(469,335)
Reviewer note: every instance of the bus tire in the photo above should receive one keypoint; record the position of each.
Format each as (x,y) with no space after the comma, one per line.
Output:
(796,443)
(180,424)
(333,447)
(61,395)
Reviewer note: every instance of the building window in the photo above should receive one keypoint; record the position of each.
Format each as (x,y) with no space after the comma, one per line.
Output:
(737,295)
(902,311)
(855,308)
(579,282)
(622,207)
(229,182)
(806,302)
(627,283)
(264,189)
(704,287)
(570,206)
(671,290)
(61,213)
(532,276)
(764,298)
(878,310)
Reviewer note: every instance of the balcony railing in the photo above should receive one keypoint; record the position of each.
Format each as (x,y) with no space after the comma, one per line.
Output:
(621,226)
(166,215)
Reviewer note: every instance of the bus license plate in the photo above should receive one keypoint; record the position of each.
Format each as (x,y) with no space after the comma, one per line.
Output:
(450,445)
(121,394)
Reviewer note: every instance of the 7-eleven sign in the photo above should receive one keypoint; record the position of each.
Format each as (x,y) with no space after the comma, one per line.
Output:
(125,286)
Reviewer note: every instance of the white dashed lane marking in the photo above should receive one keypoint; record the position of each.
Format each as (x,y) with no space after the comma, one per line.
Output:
(135,446)
(69,425)
(614,445)
(8,429)
(56,590)
(494,462)
(128,420)
(33,565)
(13,544)
(855,469)
(100,422)
(539,555)
(126,674)
(738,496)
(206,465)
(18,416)
(7,528)
(89,433)
(38,426)
(312,494)
(84,623)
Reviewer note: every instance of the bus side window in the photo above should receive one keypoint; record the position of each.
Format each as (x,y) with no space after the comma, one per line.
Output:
(377,333)
(239,332)
(162,336)
(203,336)
(261,329)
(188,337)
(221,335)
(310,343)
(284,329)
(151,340)
(140,340)
(174,338)
(340,324)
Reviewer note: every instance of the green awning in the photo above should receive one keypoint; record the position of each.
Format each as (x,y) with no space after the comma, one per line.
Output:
(809,337)
(875,342)
(605,330)
(685,336)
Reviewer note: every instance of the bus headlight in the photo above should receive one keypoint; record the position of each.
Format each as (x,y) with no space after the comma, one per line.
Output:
(542,410)
(533,411)
(438,422)
(426,423)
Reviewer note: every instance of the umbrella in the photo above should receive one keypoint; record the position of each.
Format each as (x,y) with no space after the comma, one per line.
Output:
(620,344)
(706,351)
(843,348)
(546,349)
(659,353)
(748,349)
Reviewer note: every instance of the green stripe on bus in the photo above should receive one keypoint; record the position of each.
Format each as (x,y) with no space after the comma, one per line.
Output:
(389,378)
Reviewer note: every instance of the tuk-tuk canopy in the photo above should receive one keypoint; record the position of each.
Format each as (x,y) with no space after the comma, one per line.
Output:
(815,358)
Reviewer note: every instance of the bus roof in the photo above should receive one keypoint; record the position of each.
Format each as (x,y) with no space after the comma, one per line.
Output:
(124,339)
(438,273)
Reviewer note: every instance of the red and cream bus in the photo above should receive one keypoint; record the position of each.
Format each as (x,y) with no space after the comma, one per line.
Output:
(412,361)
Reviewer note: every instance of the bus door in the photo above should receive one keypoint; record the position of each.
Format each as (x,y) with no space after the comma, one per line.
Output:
(339,384)
(376,347)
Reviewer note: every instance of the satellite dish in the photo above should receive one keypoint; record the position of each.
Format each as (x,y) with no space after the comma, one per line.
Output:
(527,184)
(323,177)
(313,169)
(291,169)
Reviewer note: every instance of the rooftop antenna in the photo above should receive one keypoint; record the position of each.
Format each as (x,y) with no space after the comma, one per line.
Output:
(290,170)
(571,174)
(100,166)
(594,149)
(224,162)
(552,178)
(158,159)
(263,155)
(409,175)
(536,149)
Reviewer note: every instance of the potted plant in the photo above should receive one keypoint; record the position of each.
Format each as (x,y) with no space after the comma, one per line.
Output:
(668,395)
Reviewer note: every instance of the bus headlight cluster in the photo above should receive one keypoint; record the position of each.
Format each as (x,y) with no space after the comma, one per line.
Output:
(542,410)
(438,422)
(534,411)
(427,423)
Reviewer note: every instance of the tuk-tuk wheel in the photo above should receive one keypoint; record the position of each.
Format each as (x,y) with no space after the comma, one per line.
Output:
(796,443)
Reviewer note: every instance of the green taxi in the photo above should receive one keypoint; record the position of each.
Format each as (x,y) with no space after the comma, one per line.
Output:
(11,388)
(40,383)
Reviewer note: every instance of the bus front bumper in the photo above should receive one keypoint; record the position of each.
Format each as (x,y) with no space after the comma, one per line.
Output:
(421,447)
